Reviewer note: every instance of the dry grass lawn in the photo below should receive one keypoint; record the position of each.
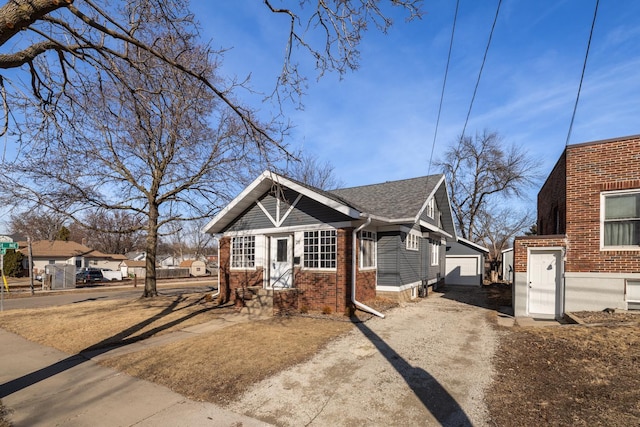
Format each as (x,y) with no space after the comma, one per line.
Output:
(574,375)
(98,324)
(212,367)
(218,367)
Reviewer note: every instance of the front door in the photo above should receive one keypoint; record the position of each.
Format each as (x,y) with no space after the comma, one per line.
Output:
(544,281)
(281,267)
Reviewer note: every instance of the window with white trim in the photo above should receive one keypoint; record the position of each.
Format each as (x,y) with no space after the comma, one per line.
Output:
(320,249)
(367,249)
(243,252)
(413,242)
(435,253)
(431,208)
(620,220)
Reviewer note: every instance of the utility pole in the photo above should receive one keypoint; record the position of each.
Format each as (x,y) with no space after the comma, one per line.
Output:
(30,265)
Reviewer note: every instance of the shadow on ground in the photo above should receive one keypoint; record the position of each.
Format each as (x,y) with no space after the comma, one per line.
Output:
(118,340)
(494,296)
(435,398)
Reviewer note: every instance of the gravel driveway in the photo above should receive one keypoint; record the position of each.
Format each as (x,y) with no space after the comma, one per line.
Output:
(426,363)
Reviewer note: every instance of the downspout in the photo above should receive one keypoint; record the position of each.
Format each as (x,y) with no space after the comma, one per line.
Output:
(354,248)
(217,240)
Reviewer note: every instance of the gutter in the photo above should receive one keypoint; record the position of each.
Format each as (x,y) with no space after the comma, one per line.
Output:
(354,248)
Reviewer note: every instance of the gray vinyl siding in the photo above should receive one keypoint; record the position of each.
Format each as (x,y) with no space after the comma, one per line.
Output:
(436,271)
(251,219)
(398,266)
(441,203)
(306,212)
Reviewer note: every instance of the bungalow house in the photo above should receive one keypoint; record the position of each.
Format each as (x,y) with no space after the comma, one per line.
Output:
(333,250)
(586,255)
(46,252)
(465,263)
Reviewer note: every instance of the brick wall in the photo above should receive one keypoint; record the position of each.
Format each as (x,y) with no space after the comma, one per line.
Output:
(552,201)
(316,290)
(328,290)
(521,244)
(230,280)
(591,169)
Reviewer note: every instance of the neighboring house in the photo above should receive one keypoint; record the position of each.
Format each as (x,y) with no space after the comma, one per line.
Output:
(317,246)
(45,252)
(586,255)
(465,263)
(167,261)
(196,267)
(507,265)
(133,268)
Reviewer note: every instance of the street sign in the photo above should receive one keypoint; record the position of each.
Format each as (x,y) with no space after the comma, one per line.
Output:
(8,245)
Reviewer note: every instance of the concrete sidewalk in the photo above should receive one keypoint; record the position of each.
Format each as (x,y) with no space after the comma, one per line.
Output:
(42,386)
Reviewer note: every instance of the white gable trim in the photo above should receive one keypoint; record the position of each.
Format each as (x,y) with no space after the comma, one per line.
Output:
(431,195)
(257,188)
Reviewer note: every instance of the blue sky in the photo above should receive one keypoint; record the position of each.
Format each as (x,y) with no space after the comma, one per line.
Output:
(378,123)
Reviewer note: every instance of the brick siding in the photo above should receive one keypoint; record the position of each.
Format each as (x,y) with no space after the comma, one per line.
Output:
(522,243)
(591,168)
(315,290)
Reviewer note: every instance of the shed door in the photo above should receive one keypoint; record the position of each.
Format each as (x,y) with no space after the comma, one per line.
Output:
(544,281)
(462,271)
(281,268)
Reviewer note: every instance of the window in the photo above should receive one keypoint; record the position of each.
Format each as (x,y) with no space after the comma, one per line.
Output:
(413,242)
(367,249)
(243,252)
(281,250)
(431,208)
(621,219)
(320,249)
(435,254)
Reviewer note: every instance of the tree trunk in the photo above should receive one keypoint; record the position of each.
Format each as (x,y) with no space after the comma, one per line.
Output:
(150,289)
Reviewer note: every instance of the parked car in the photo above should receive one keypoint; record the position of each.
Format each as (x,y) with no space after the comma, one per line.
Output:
(90,275)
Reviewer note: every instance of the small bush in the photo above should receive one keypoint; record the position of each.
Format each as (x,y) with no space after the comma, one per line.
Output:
(326,310)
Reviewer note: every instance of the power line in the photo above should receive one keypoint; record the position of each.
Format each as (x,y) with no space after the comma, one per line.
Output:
(444,84)
(584,67)
(484,59)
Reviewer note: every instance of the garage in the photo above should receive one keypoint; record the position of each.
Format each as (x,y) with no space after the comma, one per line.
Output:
(462,271)
(464,263)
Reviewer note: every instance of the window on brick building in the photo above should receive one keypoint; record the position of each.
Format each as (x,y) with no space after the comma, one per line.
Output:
(320,249)
(243,252)
(367,249)
(620,219)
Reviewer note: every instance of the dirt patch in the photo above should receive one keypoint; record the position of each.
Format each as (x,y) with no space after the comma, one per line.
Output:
(607,316)
(567,375)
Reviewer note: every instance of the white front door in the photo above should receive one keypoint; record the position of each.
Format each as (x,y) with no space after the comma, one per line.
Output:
(281,257)
(544,281)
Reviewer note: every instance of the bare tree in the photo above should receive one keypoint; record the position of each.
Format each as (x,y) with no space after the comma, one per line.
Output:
(119,107)
(309,170)
(111,232)
(498,227)
(37,224)
(481,171)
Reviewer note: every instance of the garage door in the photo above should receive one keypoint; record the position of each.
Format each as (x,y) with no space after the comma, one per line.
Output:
(462,271)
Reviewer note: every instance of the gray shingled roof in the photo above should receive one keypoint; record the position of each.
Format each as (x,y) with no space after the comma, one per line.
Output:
(391,199)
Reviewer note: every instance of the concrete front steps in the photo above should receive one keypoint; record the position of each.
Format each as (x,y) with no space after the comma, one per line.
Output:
(257,301)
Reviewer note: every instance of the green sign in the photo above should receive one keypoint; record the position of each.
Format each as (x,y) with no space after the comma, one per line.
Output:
(8,245)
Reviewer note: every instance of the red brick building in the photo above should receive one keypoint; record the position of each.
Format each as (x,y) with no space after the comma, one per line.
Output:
(587,252)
